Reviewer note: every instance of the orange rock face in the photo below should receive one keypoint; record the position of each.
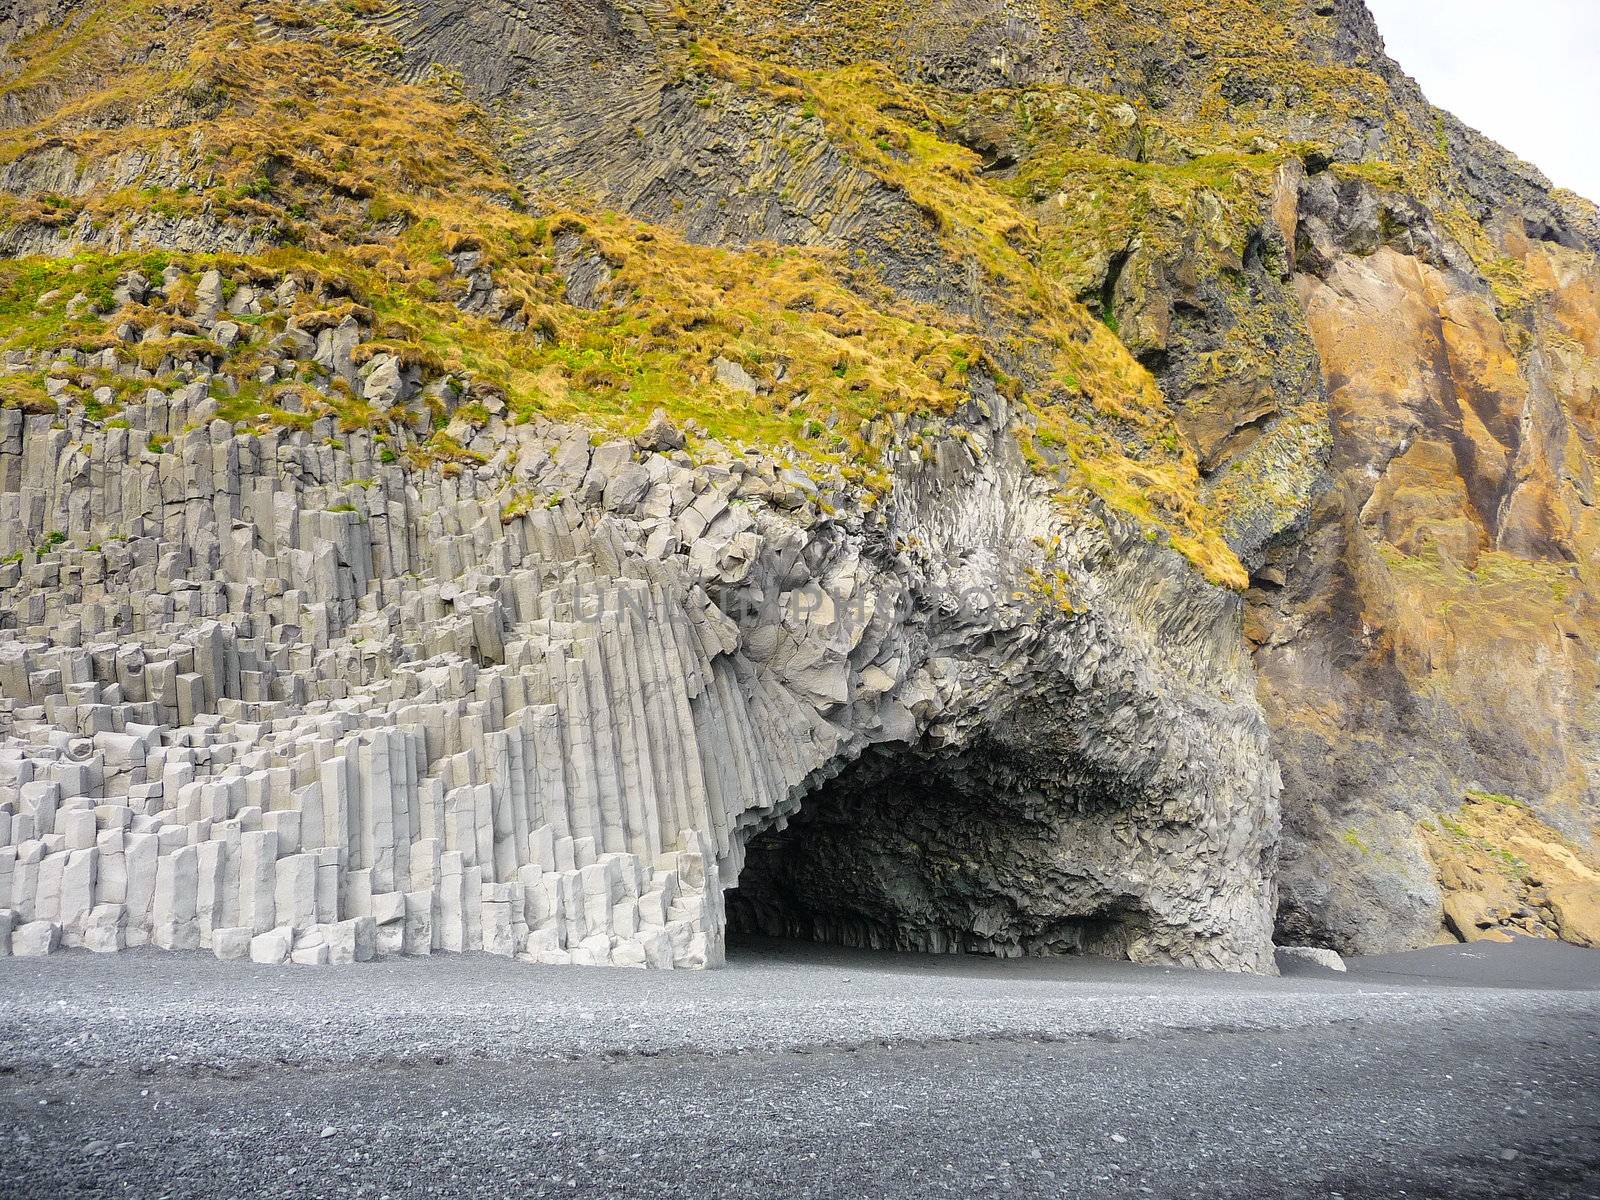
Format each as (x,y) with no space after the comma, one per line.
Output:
(1503,871)
(1439,629)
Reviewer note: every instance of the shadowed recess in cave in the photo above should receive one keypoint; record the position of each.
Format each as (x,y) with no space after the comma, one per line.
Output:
(903,851)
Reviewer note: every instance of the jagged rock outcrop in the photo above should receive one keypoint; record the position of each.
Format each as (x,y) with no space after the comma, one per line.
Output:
(874,455)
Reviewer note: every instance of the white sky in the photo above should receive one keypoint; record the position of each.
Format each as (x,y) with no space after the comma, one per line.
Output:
(1525,72)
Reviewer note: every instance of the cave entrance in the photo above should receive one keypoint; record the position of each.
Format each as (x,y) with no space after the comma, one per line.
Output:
(933,854)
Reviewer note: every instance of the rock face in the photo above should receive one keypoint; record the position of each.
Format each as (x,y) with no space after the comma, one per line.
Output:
(1504,873)
(900,475)
(1436,631)
(268,686)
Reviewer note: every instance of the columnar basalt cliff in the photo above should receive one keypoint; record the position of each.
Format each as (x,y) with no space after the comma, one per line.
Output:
(565,481)
(271,695)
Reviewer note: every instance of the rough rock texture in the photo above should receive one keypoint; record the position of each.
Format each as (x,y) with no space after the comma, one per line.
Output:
(1504,872)
(521,472)
(271,684)
(1436,632)
(1383,349)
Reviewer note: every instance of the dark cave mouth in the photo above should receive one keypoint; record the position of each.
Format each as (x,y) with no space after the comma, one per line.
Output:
(906,853)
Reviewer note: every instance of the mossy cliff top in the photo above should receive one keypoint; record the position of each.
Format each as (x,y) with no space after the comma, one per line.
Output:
(334,143)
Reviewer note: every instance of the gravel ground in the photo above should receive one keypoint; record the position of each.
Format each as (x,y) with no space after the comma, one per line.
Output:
(154,1010)
(802,1071)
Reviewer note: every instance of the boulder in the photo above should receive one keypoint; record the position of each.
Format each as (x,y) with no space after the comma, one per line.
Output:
(35,939)
(1315,956)
(272,947)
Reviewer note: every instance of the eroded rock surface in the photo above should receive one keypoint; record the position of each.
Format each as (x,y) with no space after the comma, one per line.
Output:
(1435,631)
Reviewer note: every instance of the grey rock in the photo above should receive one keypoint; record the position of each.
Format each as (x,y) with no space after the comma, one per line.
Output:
(1315,956)
(659,434)
(384,385)
(208,297)
(735,376)
(575,727)
(272,947)
(35,939)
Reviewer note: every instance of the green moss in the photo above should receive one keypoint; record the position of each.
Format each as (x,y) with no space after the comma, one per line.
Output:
(1353,839)
(377,183)
(1495,798)
(520,504)
(26,391)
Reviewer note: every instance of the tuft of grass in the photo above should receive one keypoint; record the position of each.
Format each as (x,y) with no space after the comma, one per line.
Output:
(1496,798)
